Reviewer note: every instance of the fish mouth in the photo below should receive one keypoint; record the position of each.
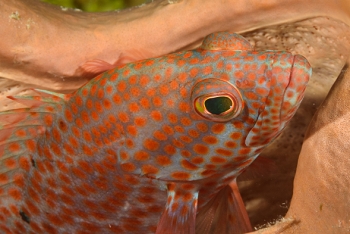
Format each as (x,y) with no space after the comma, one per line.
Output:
(300,73)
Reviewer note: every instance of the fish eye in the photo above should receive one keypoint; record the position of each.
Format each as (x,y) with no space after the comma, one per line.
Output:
(218,105)
(217,100)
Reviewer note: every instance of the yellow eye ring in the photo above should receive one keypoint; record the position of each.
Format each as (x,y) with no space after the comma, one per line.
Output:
(217,100)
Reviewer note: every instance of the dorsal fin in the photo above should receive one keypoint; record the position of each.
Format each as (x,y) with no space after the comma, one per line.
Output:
(94,67)
(53,95)
(225,41)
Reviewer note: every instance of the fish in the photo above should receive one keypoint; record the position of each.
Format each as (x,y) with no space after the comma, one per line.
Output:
(153,146)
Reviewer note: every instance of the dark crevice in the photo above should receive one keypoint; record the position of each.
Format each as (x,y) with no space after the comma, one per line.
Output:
(24,217)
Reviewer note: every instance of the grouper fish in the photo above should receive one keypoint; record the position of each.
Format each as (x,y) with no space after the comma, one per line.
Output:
(153,146)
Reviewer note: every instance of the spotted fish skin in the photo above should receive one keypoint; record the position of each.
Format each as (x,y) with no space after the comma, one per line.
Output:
(139,148)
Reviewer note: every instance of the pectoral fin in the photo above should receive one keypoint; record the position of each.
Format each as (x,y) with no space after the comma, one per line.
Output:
(224,214)
(180,210)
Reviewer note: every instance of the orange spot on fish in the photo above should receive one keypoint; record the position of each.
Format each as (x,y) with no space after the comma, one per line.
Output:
(194,72)
(14,147)
(135,92)
(244,151)
(160,136)
(144,80)
(98,106)
(109,89)
(193,133)
(144,102)
(164,90)
(202,127)
(149,62)
(117,99)
(207,70)
(10,163)
(177,143)
(186,153)
(140,121)
(85,117)
(236,135)
(85,166)
(128,167)
(262,91)
(79,100)
(217,160)
(87,136)
(132,79)
(132,130)
(23,163)
(48,120)
(121,86)
(186,121)
(156,115)
(151,144)
(15,194)
(68,115)
(183,92)
(3,179)
(79,173)
(56,134)
(210,139)
(231,144)
(123,117)
(151,92)
(180,175)
(197,160)
(208,172)
(19,180)
(186,139)
(169,149)
(100,93)
(224,152)
(157,101)
(200,149)
(163,160)
(56,149)
(149,169)
(20,133)
(184,107)
(168,130)
(107,104)
(133,107)
(187,165)
(172,118)
(182,78)
(85,92)
(141,156)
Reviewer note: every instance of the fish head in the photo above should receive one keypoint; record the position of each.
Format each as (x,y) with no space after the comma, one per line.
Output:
(252,103)
(197,113)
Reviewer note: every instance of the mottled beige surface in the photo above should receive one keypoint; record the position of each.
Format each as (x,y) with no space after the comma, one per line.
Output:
(43,46)
(322,194)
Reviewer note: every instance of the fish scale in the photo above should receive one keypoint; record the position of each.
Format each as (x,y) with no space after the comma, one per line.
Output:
(150,146)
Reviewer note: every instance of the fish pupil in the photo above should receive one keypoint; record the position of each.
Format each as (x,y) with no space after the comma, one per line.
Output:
(218,105)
